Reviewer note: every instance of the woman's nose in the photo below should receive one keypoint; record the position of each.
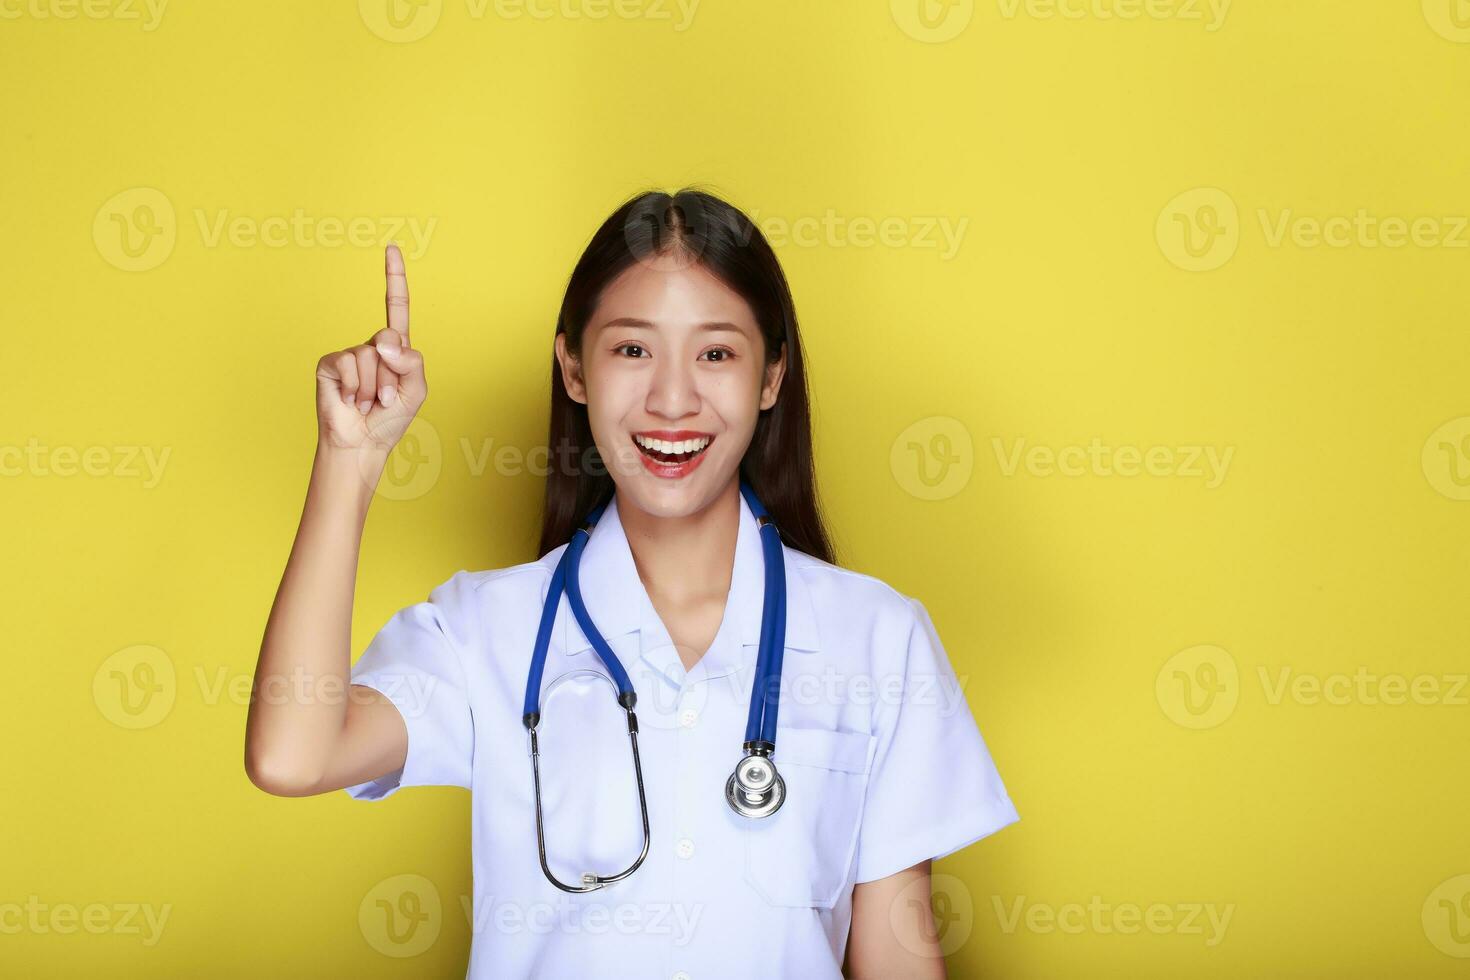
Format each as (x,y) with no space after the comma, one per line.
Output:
(674,392)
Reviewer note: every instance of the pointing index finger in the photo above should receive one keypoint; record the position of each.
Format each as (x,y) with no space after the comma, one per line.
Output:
(397,297)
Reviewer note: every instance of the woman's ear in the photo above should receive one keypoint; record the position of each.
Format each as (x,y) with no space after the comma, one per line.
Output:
(771,387)
(571,371)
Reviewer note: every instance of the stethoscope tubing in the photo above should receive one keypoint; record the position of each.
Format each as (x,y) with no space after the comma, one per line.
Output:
(766,694)
(755,789)
(765,701)
(626,697)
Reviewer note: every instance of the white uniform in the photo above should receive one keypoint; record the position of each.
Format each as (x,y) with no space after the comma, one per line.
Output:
(883,762)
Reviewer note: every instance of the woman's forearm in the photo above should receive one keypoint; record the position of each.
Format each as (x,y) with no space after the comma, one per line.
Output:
(300,700)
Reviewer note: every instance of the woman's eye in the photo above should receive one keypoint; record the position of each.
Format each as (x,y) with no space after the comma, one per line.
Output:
(716,354)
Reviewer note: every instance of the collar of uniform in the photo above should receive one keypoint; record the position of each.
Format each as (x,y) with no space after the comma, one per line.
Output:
(618,603)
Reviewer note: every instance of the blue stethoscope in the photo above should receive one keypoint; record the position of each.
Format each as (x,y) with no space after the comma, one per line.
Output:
(755,788)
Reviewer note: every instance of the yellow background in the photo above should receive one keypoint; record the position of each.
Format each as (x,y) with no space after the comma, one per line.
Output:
(1335,544)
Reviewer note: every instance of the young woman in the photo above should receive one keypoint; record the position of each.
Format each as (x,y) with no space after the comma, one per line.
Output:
(696,747)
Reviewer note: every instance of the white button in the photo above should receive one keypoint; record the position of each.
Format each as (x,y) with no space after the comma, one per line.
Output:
(686,848)
(688,717)
(681,975)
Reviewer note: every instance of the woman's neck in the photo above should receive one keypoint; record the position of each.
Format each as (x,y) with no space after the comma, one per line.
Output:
(685,559)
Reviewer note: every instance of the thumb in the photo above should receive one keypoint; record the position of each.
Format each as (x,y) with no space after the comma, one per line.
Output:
(408,364)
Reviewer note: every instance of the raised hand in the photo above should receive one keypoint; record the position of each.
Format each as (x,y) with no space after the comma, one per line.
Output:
(367,395)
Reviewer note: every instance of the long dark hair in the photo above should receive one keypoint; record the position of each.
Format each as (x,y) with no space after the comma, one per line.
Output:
(696,225)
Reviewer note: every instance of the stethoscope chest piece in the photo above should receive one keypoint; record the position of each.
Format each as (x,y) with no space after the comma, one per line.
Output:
(755,788)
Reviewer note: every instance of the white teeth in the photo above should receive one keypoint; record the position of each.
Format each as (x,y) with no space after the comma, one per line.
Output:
(673,448)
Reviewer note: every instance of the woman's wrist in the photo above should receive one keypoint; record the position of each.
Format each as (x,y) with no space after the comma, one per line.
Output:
(341,475)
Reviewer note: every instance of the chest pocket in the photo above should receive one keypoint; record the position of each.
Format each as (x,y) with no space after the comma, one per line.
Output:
(800,855)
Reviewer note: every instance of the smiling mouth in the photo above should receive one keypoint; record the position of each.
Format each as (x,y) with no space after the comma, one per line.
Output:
(672,453)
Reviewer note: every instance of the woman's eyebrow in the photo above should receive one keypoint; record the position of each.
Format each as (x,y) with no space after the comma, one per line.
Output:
(633,321)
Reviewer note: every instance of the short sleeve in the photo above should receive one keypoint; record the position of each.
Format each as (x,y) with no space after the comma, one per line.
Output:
(933,788)
(415,661)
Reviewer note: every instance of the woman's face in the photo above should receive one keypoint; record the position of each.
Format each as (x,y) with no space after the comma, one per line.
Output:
(673,374)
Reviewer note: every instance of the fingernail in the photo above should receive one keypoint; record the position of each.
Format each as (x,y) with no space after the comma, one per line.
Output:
(365,406)
(388,350)
(388,395)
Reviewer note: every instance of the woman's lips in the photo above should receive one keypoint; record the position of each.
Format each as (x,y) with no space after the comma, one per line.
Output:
(670,468)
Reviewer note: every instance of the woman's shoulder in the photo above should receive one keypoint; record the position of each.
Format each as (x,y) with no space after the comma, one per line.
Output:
(508,580)
(846,592)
